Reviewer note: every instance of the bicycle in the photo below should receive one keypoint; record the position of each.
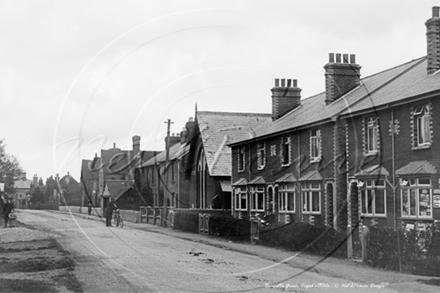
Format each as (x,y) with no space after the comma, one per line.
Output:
(117,219)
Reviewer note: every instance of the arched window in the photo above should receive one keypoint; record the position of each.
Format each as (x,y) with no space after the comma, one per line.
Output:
(201,179)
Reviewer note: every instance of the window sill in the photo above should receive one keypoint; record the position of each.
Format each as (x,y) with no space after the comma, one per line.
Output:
(315,160)
(261,167)
(421,147)
(372,153)
(417,217)
(373,216)
(286,212)
(311,213)
(286,165)
(240,171)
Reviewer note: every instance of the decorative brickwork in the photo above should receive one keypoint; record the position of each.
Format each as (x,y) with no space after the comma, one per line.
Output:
(427,112)
(340,139)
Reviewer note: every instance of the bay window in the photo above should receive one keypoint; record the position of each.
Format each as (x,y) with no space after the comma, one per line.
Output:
(287,197)
(257,193)
(416,195)
(241,198)
(311,198)
(373,197)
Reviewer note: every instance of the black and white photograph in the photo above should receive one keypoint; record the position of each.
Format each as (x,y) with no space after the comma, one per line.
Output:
(219,146)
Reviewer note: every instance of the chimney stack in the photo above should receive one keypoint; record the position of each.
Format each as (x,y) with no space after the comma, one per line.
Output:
(285,97)
(174,138)
(183,135)
(191,129)
(340,77)
(35,181)
(136,143)
(433,39)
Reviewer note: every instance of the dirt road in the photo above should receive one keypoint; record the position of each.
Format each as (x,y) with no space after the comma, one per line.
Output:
(136,260)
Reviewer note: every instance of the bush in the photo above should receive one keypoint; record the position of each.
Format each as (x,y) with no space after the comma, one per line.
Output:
(188,221)
(304,237)
(420,251)
(229,227)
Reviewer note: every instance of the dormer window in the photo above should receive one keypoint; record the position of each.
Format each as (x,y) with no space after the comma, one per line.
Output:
(421,125)
(315,145)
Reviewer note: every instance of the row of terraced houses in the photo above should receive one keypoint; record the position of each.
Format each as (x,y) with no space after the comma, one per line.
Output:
(364,151)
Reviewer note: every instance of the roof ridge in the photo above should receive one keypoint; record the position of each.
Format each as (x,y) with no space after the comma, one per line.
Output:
(369,93)
(374,74)
(233,113)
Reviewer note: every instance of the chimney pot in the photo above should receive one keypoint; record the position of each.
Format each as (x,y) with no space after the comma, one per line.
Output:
(285,98)
(345,58)
(277,82)
(352,58)
(338,58)
(435,11)
(331,58)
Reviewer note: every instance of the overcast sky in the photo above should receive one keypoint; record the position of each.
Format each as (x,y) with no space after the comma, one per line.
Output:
(78,76)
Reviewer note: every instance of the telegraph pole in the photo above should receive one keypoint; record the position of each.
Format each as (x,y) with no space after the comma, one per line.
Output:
(168,142)
(165,172)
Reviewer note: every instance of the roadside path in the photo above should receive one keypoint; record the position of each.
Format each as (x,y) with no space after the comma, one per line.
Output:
(358,273)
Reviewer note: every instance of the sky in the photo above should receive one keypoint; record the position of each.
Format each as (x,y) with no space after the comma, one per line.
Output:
(80,76)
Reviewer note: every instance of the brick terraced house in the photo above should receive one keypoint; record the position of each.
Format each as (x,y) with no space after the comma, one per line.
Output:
(365,151)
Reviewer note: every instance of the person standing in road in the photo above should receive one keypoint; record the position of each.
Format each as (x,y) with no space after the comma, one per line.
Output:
(89,209)
(108,214)
(7,209)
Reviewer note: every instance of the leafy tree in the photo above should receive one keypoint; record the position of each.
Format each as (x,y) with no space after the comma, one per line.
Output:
(37,196)
(10,169)
(51,185)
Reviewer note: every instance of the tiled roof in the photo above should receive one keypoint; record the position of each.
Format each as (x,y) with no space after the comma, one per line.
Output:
(116,161)
(257,180)
(392,85)
(86,173)
(239,182)
(117,188)
(417,167)
(218,129)
(226,185)
(176,151)
(311,175)
(413,81)
(68,179)
(23,184)
(375,170)
(289,177)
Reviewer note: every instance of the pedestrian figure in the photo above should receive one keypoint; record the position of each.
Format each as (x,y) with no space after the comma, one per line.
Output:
(108,213)
(90,208)
(7,209)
